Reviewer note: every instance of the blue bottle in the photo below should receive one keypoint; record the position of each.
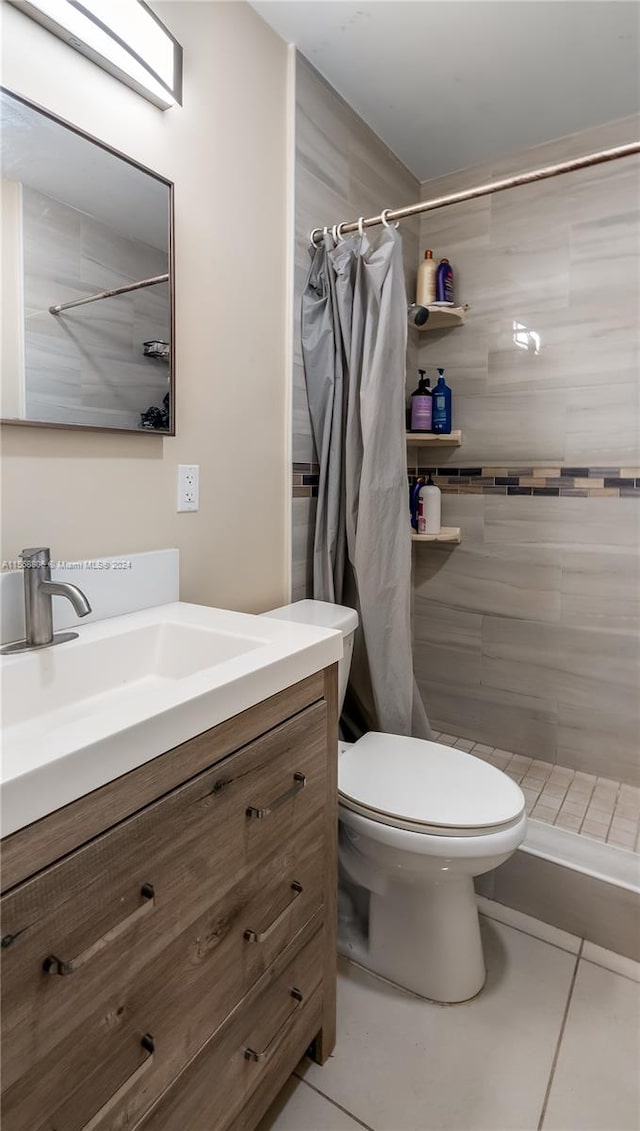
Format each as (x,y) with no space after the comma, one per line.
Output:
(441,420)
(415,499)
(444,283)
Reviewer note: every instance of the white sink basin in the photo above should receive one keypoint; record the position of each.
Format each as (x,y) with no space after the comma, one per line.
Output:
(80,714)
(129,661)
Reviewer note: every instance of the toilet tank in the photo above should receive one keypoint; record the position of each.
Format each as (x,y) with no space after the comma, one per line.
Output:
(325,615)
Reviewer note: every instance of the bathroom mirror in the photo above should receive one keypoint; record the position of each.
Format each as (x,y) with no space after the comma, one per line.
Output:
(87,295)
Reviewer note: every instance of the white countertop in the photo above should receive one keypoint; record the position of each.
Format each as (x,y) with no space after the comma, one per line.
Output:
(81,714)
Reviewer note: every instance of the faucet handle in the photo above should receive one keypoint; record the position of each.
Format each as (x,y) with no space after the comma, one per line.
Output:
(36,556)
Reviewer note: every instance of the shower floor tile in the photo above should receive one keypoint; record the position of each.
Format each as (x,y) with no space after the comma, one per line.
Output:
(598,808)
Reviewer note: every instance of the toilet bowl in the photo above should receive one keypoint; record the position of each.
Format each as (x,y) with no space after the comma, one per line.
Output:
(417,822)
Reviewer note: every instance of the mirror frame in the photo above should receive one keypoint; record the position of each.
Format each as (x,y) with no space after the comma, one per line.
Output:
(172,314)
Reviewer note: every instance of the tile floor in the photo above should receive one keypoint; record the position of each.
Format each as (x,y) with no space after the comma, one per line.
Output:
(599,808)
(552,1042)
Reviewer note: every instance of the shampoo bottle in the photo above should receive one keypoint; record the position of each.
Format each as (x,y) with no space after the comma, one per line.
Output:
(421,405)
(426,285)
(444,283)
(441,406)
(429,508)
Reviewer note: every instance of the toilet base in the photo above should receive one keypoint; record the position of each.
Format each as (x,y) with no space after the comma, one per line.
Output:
(427,940)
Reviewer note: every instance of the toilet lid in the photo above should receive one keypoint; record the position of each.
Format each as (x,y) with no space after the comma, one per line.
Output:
(412,780)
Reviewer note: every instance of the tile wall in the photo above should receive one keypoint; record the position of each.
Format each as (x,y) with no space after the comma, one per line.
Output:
(545,482)
(87,366)
(343,171)
(526,634)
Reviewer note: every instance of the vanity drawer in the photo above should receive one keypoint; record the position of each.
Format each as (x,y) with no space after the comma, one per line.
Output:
(154,907)
(260,1043)
(183,996)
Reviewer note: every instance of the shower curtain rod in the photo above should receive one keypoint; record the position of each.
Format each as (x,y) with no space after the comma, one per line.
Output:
(110,294)
(542,174)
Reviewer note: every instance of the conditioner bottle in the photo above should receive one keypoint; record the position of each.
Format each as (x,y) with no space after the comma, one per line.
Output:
(426,285)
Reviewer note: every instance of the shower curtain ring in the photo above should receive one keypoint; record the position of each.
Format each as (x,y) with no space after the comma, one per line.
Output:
(383,216)
(339,236)
(360,225)
(312,236)
(335,233)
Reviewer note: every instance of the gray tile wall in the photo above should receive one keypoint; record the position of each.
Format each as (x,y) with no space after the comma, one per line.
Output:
(343,171)
(561,258)
(527,633)
(86,366)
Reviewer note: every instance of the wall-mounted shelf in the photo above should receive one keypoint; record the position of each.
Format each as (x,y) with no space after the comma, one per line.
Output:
(431,440)
(448,534)
(444,317)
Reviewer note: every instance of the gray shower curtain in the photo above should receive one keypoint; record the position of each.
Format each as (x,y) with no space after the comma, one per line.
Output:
(354,336)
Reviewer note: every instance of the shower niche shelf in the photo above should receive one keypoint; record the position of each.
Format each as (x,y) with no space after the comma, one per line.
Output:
(449,535)
(431,440)
(444,318)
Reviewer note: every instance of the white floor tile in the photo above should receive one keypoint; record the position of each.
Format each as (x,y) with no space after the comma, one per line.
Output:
(527,923)
(403,1064)
(300,1108)
(611,961)
(596,1085)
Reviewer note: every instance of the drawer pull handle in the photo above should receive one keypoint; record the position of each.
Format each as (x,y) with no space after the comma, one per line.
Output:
(268,1050)
(148,1044)
(260,936)
(299,782)
(53,965)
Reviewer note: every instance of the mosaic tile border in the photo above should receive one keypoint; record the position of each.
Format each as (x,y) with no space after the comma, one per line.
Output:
(550,482)
(306,477)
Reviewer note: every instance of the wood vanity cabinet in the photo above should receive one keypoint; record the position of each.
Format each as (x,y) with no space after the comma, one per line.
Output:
(168,941)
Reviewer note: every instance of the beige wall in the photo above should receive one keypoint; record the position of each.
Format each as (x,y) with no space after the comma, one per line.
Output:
(226,150)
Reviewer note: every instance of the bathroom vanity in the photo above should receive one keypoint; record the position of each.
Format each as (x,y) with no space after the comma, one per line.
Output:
(169,937)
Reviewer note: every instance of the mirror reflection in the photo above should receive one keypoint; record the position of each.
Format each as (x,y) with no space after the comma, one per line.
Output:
(86,287)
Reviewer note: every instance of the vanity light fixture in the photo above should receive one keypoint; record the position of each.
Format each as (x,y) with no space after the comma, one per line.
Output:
(125,38)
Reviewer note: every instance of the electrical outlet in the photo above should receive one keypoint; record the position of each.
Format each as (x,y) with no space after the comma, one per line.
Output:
(188,487)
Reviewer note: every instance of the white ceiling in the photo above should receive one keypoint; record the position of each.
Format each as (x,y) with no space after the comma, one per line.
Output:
(451,83)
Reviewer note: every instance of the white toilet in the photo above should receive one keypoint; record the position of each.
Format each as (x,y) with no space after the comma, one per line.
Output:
(417,822)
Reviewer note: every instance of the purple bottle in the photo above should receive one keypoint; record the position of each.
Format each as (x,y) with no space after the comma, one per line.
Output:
(422,405)
(444,283)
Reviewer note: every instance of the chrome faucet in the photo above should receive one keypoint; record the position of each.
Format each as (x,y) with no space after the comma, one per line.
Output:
(39,590)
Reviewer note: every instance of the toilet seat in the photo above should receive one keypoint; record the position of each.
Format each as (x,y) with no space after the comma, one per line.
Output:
(420,786)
